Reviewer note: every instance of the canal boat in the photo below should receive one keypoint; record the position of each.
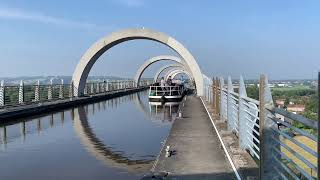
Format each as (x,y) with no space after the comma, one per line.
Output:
(166,93)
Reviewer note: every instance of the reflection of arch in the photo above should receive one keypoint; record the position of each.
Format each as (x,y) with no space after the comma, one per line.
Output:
(150,61)
(97,49)
(163,69)
(102,152)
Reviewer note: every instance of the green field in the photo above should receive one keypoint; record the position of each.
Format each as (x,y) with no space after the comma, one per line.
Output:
(293,88)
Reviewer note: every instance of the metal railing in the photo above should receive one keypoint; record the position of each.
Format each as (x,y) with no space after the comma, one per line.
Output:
(166,90)
(17,95)
(282,149)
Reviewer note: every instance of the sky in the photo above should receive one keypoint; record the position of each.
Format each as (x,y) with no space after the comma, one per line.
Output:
(231,37)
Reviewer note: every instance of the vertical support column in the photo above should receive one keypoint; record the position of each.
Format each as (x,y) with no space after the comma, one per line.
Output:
(37,92)
(266,142)
(21,92)
(107,85)
(98,88)
(230,109)
(71,90)
(61,89)
(318,125)
(218,96)
(91,88)
(242,121)
(2,93)
(50,90)
(85,92)
(222,106)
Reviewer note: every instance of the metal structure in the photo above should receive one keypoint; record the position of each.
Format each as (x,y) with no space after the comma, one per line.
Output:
(22,94)
(275,144)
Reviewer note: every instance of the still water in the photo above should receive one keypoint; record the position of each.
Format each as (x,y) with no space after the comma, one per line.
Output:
(113,139)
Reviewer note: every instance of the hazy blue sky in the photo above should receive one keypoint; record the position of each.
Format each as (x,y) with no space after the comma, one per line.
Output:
(279,37)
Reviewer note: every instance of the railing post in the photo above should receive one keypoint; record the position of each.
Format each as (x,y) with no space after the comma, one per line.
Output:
(242,121)
(61,89)
(71,90)
(218,96)
(222,106)
(230,109)
(92,88)
(98,88)
(50,90)
(85,91)
(266,142)
(37,92)
(2,93)
(21,92)
(318,125)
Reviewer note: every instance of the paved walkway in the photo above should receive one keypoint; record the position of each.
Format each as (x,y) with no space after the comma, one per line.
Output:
(199,154)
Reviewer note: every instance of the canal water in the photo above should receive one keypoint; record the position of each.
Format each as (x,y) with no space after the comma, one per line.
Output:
(113,139)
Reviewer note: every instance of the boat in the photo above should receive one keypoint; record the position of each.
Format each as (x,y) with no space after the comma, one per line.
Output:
(166,93)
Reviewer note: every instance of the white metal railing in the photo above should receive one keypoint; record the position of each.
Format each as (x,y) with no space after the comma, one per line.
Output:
(283,150)
(22,94)
(166,90)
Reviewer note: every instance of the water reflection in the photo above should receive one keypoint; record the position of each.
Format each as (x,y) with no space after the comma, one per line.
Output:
(86,121)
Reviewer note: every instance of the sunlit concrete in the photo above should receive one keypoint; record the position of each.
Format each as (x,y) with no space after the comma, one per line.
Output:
(98,48)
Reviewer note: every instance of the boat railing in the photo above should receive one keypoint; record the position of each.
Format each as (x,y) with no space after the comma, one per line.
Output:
(166,90)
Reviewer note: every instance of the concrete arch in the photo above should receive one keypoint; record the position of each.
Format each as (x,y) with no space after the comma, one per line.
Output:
(175,72)
(155,59)
(180,72)
(163,69)
(97,49)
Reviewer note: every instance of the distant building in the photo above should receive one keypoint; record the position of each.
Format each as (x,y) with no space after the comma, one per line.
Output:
(296,108)
(280,103)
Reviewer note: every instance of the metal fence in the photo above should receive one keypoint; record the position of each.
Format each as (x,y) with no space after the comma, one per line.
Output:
(17,95)
(285,148)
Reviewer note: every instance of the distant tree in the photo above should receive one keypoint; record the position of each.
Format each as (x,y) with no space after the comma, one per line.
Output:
(253,91)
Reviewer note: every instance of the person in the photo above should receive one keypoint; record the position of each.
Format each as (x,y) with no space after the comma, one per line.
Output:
(162,84)
(169,81)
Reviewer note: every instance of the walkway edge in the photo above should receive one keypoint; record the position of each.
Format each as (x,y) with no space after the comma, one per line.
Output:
(222,143)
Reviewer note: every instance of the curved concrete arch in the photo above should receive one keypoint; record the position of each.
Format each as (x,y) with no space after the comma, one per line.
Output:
(176,71)
(98,48)
(163,69)
(180,72)
(155,59)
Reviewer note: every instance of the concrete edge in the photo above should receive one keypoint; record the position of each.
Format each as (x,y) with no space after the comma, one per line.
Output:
(45,107)
(222,143)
